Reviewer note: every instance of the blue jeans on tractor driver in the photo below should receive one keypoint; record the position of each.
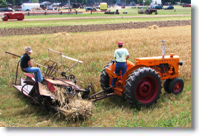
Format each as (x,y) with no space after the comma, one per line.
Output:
(119,66)
(37,73)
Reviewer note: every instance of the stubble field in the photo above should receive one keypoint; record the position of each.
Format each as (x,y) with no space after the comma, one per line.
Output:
(22,28)
(96,49)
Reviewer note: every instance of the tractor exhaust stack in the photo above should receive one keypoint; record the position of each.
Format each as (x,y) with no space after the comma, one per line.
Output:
(163,49)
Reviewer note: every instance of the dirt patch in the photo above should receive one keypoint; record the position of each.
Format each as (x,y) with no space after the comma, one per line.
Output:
(89,28)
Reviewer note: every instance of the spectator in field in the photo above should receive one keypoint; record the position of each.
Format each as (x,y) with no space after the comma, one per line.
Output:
(26,65)
(121,55)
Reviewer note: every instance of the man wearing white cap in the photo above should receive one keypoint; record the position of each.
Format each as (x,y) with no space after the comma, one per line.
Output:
(26,65)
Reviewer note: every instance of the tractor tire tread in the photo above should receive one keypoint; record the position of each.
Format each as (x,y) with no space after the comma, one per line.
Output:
(172,83)
(104,78)
(131,85)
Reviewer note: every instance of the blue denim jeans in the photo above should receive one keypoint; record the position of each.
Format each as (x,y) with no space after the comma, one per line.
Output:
(37,73)
(119,66)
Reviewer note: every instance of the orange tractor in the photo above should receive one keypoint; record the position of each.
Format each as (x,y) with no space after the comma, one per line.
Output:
(141,84)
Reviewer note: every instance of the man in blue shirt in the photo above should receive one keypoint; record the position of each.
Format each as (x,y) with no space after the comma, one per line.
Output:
(121,55)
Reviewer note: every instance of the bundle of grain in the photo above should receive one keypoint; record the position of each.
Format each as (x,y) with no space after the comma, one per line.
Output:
(61,34)
(77,108)
(153,27)
(71,106)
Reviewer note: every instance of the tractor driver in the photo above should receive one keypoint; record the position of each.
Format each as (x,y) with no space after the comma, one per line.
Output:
(26,65)
(121,55)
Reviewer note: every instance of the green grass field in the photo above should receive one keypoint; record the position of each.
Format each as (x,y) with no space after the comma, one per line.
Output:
(85,22)
(170,111)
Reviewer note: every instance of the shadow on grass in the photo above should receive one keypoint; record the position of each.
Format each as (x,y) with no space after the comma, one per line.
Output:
(121,102)
(118,101)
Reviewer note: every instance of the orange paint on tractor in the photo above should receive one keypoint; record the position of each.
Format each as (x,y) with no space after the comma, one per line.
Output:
(167,68)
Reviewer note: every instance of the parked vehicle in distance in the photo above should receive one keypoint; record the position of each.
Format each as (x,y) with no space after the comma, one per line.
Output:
(6,9)
(156,6)
(123,6)
(82,7)
(77,5)
(90,8)
(183,4)
(187,5)
(44,5)
(98,7)
(109,12)
(49,8)
(29,6)
(103,6)
(63,7)
(132,4)
(169,7)
(56,4)
(18,9)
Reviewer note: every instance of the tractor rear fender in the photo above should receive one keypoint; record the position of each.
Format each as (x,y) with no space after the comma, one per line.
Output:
(111,73)
(111,69)
(130,71)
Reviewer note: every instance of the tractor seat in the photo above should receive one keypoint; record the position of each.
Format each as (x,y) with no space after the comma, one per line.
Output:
(25,71)
(29,82)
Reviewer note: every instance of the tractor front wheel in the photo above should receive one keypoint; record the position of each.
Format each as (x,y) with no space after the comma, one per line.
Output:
(176,85)
(143,87)
(166,85)
(147,11)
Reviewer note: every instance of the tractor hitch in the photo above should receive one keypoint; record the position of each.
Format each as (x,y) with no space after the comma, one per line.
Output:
(105,95)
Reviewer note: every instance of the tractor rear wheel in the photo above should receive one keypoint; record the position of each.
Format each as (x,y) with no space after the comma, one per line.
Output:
(176,85)
(147,11)
(166,85)
(104,78)
(5,18)
(143,87)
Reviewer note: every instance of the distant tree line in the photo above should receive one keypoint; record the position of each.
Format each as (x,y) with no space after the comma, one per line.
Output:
(164,1)
(174,1)
(94,1)
(2,3)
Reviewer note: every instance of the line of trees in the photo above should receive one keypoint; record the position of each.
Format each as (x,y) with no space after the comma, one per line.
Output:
(147,2)
(164,1)
(3,3)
